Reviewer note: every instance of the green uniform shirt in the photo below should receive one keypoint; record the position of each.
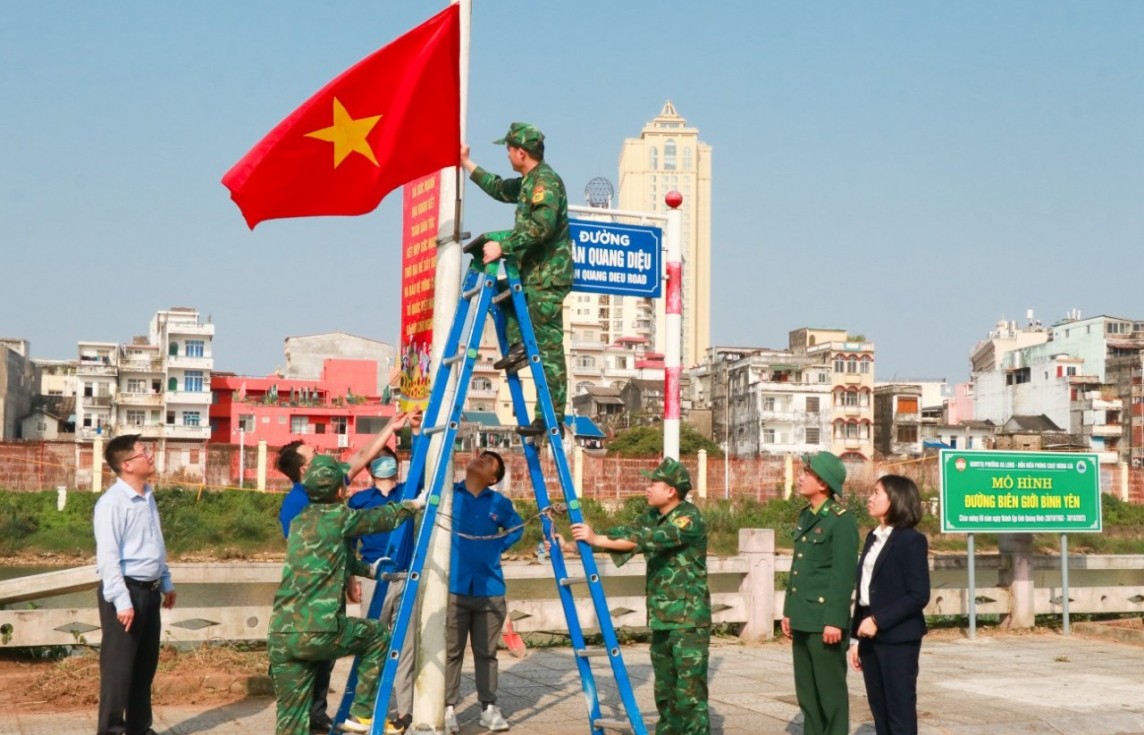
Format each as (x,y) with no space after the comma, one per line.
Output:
(675,545)
(823,569)
(540,243)
(320,560)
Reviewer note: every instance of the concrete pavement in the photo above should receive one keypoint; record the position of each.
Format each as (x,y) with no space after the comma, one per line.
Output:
(995,685)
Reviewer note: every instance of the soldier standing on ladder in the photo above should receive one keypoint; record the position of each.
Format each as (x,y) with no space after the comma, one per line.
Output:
(542,248)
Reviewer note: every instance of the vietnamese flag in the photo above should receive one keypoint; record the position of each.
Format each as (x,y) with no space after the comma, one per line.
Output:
(390,118)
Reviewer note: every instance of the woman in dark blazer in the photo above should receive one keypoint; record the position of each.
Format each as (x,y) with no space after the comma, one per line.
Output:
(892,590)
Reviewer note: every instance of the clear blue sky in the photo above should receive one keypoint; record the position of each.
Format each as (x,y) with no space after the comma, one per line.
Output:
(912,171)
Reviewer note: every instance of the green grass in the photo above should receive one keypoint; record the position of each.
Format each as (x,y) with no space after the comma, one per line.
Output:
(236,524)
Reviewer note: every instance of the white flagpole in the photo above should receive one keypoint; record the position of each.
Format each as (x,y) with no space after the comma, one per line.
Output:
(429,687)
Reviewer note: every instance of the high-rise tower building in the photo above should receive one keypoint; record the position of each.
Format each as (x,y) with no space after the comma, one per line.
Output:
(668,156)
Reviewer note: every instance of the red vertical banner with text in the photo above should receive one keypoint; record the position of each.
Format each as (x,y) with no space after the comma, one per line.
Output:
(421,201)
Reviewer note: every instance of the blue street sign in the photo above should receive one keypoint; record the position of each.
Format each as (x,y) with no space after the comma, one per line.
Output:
(616,259)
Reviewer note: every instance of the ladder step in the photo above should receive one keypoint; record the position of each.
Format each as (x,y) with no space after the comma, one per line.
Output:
(569,581)
(605,723)
(595,652)
(438,429)
(474,290)
(394,576)
(506,294)
(453,359)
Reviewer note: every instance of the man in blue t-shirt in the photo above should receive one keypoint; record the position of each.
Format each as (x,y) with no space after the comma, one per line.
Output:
(390,552)
(485,525)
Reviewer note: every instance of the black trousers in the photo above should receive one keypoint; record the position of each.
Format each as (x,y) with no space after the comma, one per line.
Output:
(891,674)
(322,671)
(127,662)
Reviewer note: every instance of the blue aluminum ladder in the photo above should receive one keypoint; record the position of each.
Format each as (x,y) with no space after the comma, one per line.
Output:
(480,297)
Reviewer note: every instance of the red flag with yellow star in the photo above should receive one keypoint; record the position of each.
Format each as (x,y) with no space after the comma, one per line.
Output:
(393,116)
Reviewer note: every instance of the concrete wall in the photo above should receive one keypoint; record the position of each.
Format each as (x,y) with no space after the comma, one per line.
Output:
(306,355)
(18,382)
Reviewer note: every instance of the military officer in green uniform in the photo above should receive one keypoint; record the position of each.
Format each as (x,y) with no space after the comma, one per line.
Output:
(816,613)
(673,538)
(541,247)
(308,623)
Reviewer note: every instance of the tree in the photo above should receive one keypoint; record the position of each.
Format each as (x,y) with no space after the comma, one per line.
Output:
(647,441)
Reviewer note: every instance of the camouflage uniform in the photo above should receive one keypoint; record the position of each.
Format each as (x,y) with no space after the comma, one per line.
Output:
(308,622)
(678,605)
(541,246)
(818,594)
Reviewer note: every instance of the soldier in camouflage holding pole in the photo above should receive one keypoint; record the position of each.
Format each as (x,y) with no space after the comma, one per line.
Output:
(308,623)
(673,537)
(542,249)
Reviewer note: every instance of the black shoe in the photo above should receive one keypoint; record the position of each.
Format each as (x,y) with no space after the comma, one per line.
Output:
(321,724)
(514,360)
(536,428)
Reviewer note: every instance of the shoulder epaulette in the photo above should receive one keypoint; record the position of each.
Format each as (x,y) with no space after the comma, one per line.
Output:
(837,509)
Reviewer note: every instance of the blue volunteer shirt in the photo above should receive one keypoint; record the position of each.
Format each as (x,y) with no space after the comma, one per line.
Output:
(292,505)
(376,545)
(475,564)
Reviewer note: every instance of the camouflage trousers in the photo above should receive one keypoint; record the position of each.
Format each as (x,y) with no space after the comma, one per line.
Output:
(679,660)
(546,311)
(293,659)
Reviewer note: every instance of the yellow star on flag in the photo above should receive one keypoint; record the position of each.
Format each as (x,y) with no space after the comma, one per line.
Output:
(347,134)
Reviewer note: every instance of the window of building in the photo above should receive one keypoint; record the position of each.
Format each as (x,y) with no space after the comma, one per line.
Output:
(482,383)
(852,365)
(246,422)
(669,155)
(136,418)
(768,403)
(812,404)
(195,347)
(136,386)
(585,361)
(369,424)
(319,428)
(653,158)
(839,364)
(173,349)
(851,431)
(191,418)
(768,436)
(907,434)
(850,398)
(907,405)
(170,418)
(687,158)
(866,363)
(299,425)
(339,425)
(193,381)
(88,390)
(813,435)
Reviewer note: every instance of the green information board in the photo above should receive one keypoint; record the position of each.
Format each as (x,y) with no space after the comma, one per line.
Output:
(1019,492)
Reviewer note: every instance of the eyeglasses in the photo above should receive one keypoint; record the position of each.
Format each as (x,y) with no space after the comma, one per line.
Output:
(145,453)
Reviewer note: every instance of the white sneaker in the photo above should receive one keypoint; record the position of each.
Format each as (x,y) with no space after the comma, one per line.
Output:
(492,719)
(357,724)
(451,720)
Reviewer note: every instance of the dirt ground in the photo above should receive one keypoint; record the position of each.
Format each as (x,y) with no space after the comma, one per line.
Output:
(209,675)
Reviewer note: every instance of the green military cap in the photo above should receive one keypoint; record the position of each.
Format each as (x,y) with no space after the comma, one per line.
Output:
(324,477)
(829,469)
(522,135)
(671,472)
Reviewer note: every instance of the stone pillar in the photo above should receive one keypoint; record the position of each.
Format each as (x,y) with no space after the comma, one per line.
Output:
(1124,494)
(757,545)
(1016,575)
(788,476)
(578,471)
(701,480)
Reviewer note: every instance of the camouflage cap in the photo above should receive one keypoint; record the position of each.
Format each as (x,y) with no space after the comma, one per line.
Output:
(828,468)
(671,472)
(324,477)
(522,135)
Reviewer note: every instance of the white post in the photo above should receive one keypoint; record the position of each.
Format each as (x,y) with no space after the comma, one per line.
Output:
(674,346)
(578,470)
(1124,481)
(261,466)
(757,546)
(429,684)
(701,483)
(726,471)
(97,464)
(788,476)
